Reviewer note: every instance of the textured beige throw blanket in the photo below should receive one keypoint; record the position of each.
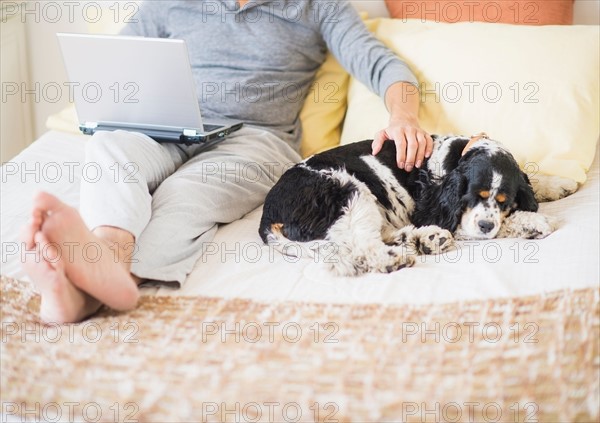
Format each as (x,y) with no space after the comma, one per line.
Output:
(176,359)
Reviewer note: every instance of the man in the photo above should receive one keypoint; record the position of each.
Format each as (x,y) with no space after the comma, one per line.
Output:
(153,224)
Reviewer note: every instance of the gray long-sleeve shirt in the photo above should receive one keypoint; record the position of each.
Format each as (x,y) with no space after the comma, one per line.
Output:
(257,63)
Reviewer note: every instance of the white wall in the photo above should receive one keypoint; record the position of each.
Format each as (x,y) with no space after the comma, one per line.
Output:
(46,64)
(43,20)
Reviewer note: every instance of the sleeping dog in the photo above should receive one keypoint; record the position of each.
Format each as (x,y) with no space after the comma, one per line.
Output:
(377,217)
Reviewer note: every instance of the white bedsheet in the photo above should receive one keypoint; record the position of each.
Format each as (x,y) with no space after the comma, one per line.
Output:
(241,266)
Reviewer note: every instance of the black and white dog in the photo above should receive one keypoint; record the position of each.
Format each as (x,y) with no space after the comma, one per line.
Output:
(378,216)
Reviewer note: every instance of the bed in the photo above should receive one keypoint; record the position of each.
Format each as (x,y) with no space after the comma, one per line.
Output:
(239,265)
(545,292)
(500,330)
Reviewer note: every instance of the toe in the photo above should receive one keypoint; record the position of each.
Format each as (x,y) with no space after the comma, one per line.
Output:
(29,230)
(44,202)
(49,252)
(27,236)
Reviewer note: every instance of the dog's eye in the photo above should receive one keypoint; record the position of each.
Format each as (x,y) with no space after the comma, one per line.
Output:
(484,194)
(501,198)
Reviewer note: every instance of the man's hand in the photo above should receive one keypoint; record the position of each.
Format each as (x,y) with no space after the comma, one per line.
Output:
(413,144)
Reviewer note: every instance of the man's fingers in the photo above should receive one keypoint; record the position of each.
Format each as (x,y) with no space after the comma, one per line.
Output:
(400,141)
(421,149)
(377,144)
(413,145)
(411,152)
(429,149)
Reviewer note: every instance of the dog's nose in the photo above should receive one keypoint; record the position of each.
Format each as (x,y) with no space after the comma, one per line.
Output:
(485,226)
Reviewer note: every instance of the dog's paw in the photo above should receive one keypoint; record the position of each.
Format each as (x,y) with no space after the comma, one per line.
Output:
(386,261)
(537,228)
(397,259)
(433,240)
(526,225)
(424,240)
(379,260)
(551,188)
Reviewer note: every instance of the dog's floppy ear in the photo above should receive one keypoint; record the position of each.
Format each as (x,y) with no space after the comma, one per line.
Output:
(525,199)
(441,205)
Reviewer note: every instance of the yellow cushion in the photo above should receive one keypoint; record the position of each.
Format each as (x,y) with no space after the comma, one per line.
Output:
(323,112)
(325,107)
(535,89)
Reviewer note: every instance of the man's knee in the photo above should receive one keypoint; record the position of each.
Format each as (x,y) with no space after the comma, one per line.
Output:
(173,193)
(101,140)
(241,170)
(118,145)
(102,146)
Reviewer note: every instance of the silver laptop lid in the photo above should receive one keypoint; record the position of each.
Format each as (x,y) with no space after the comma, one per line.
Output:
(133,81)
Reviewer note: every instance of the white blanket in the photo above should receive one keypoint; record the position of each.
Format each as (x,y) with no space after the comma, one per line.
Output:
(239,265)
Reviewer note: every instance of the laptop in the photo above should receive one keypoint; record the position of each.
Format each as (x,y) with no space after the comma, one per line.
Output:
(137,84)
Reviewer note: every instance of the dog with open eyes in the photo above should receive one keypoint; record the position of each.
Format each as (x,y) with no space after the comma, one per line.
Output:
(377,216)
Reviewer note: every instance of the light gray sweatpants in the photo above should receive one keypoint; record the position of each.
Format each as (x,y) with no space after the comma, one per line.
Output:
(172,198)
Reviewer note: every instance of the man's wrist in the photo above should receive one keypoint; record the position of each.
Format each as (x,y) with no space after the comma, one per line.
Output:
(403,104)
(404,118)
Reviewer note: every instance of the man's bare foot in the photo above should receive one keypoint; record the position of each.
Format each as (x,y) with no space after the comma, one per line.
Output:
(86,260)
(61,301)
